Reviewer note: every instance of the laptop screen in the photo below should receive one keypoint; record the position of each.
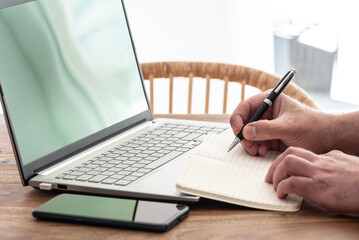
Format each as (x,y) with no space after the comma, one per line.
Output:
(68,70)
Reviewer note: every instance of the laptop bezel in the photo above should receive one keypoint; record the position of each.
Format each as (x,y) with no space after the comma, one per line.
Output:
(27,171)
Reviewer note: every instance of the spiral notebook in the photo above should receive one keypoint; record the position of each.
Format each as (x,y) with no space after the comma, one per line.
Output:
(234,177)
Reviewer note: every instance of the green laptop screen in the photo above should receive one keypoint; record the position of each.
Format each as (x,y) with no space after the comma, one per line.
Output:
(68,70)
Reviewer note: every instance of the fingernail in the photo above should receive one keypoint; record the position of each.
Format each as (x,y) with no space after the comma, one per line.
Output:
(252,132)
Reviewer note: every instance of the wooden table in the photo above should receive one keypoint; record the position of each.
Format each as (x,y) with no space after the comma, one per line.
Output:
(207,219)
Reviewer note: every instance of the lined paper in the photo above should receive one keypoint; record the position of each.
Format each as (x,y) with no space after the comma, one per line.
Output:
(234,177)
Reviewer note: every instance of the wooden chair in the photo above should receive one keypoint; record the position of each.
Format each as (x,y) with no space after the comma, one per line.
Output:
(226,72)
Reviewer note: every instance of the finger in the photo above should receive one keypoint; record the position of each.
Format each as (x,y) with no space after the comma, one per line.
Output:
(245,110)
(292,165)
(300,152)
(262,148)
(301,186)
(265,130)
(253,150)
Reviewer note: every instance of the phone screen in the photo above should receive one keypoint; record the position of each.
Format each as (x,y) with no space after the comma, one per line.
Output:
(112,210)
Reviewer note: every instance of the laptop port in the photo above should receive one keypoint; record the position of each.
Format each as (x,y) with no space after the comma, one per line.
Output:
(61,186)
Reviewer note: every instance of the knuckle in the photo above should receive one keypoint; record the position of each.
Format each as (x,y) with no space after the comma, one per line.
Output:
(292,182)
(335,152)
(288,160)
(290,150)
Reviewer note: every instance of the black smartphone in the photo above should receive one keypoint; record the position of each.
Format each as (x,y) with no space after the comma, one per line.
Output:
(115,212)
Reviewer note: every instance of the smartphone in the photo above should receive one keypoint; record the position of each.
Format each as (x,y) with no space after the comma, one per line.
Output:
(114,212)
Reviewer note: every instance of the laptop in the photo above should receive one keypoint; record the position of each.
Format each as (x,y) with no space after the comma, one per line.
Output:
(76,107)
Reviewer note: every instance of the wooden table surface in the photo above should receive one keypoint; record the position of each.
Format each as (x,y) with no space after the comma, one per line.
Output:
(207,219)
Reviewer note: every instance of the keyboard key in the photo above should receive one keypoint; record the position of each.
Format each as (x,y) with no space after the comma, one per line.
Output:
(144,170)
(126,148)
(75,173)
(118,176)
(84,169)
(122,165)
(170,148)
(163,160)
(176,145)
(108,173)
(138,165)
(109,180)
(69,177)
(146,161)
(158,132)
(84,177)
(129,162)
(128,155)
(181,134)
(122,182)
(114,162)
(182,149)
(148,144)
(124,172)
(116,169)
(100,169)
(91,166)
(108,165)
(119,152)
(141,148)
(98,178)
(163,151)
(131,169)
(154,148)
(98,162)
(93,172)
(157,155)
(134,151)
(160,145)
(122,158)
(137,174)
(152,158)
(130,178)
(192,136)
(148,152)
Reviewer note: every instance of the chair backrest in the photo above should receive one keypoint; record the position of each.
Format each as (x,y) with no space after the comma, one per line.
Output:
(226,72)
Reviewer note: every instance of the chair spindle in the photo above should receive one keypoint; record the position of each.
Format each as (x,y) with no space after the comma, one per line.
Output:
(190,87)
(208,85)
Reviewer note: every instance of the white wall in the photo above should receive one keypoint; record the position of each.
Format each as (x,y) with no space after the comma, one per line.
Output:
(201,30)
(228,31)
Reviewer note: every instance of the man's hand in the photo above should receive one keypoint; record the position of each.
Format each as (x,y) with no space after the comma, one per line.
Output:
(330,180)
(286,123)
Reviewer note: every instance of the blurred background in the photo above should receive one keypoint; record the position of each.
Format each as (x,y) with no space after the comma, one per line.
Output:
(317,38)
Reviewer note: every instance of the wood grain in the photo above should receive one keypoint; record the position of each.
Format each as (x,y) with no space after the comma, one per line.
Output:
(207,219)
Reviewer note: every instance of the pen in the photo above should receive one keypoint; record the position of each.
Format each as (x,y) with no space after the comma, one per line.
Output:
(267,102)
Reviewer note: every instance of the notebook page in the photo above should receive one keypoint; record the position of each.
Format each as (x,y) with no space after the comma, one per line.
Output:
(235,177)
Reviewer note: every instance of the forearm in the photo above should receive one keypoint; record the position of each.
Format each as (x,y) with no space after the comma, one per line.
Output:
(345,133)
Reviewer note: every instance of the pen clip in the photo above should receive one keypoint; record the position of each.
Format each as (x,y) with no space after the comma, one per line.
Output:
(284,81)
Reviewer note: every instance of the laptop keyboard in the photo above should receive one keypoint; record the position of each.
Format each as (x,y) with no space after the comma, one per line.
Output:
(134,159)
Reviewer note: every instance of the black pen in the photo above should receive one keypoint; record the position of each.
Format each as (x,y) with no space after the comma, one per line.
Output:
(267,102)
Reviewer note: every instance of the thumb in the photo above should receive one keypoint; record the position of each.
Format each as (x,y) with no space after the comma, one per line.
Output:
(263,130)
